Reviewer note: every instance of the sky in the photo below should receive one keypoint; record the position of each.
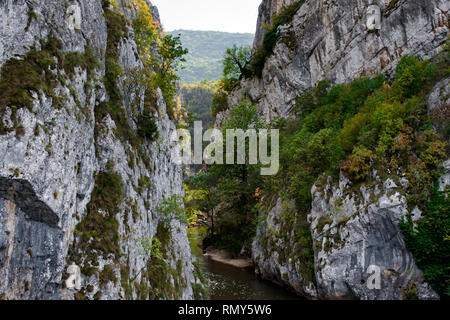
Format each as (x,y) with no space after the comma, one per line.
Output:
(209,15)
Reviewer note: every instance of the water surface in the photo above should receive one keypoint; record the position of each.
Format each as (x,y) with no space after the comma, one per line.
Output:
(231,283)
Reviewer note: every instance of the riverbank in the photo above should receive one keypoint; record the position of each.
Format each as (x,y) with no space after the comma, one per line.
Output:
(224,257)
(232,280)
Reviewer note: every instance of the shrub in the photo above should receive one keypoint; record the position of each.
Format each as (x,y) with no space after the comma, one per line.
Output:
(358,164)
(172,208)
(147,126)
(98,231)
(19,78)
(411,75)
(428,241)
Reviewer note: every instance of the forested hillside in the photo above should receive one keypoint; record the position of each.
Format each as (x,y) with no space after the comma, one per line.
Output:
(206,50)
(197,98)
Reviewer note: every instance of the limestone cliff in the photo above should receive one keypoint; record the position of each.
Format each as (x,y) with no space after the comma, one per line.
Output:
(352,228)
(330,40)
(78,184)
(267,10)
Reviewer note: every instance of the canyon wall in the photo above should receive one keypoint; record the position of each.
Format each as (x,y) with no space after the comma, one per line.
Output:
(76,186)
(352,229)
(330,40)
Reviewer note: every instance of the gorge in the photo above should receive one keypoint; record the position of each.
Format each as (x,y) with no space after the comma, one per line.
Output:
(90,191)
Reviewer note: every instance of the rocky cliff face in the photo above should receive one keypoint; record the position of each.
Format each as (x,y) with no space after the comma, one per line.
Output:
(355,231)
(356,235)
(330,40)
(267,10)
(75,186)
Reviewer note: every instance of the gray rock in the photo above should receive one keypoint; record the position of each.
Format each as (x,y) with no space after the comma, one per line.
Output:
(363,235)
(47,174)
(266,247)
(329,40)
(267,9)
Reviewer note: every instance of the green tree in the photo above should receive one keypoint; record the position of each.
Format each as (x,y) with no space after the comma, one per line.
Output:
(166,62)
(236,63)
(201,196)
(236,187)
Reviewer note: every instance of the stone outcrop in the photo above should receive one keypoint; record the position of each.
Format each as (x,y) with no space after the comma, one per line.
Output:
(275,248)
(267,9)
(330,40)
(359,248)
(355,232)
(55,153)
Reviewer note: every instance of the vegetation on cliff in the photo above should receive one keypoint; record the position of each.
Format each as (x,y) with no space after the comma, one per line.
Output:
(21,79)
(372,124)
(272,36)
(356,128)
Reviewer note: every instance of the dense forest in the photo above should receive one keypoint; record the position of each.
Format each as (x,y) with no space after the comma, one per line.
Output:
(197,98)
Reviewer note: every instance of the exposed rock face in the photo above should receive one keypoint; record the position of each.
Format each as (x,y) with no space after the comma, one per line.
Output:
(267,9)
(270,240)
(352,230)
(50,168)
(330,40)
(357,239)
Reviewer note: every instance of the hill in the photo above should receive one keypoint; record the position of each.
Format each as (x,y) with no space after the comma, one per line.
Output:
(206,50)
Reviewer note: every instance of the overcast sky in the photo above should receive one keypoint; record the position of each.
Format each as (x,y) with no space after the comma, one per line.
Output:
(210,15)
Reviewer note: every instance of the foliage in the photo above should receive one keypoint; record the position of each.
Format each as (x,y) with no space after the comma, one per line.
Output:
(206,49)
(232,185)
(358,164)
(35,73)
(236,63)
(98,231)
(166,62)
(153,247)
(428,240)
(220,97)
(201,198)
(147,126)
(360,126)
(166,282)
(173,208)
(117,29)
(145,28)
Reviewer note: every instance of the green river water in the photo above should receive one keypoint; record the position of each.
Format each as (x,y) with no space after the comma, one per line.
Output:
(231,283)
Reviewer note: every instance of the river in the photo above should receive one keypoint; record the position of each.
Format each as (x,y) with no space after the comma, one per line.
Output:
(231,283)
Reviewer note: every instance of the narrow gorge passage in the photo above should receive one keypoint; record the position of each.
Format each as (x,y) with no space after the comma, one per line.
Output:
(227,282)
(207,150)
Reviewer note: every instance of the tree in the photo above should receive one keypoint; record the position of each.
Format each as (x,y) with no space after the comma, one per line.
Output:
(201,196)
(234,186)
(236,63)
(166,62)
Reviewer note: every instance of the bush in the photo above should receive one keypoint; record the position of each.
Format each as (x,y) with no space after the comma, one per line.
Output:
(411,75)
(19,78)
(98,232)
(429,242)
(358,164)
(147,126)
